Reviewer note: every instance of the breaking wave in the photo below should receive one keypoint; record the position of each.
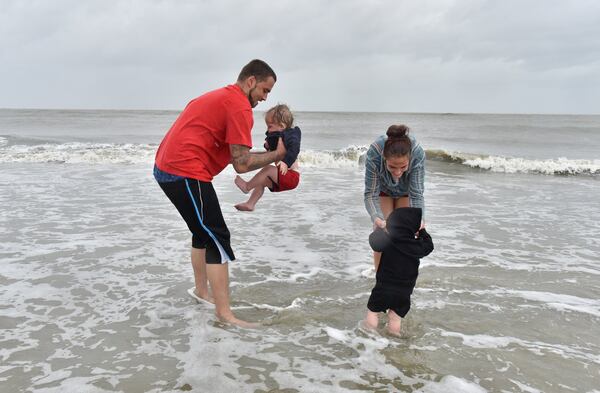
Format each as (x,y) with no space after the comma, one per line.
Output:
(554,166)
(349,157)
(79,153)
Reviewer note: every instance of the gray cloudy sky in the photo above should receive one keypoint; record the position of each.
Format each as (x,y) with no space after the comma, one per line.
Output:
(495,56)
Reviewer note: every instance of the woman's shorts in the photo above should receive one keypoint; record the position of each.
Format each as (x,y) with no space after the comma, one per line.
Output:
(199,207)
(384,194)
(286,182)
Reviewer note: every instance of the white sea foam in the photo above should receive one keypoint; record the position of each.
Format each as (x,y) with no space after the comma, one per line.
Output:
(79,153)
(483,340)
(558,166)
(556,301)
(131,153)
(525,388)
(451,383)
(561,302)
(487,342)
(348,157)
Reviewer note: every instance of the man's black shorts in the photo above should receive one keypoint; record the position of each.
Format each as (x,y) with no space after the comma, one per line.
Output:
(197,203)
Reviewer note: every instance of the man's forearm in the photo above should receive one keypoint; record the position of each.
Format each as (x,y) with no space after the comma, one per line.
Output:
(244,161)
(258,160)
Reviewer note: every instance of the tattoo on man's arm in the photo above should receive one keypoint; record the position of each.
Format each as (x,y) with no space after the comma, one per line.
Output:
(244,161)
(259,160)
(240,155)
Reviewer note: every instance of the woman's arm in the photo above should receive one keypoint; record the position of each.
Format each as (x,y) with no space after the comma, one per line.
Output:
(371,194)
(416,183)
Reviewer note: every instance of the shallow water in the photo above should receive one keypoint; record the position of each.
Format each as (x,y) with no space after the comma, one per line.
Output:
(95,270)
(95,267)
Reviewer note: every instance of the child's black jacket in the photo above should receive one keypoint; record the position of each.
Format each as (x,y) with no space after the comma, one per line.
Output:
(401,251)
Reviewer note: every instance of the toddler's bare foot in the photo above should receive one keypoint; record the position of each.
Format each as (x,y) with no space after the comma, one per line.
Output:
(242,185)
(244,207)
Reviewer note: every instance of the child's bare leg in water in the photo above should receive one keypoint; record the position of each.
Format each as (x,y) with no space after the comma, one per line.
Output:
(394,323)
(372,320)
(257,184)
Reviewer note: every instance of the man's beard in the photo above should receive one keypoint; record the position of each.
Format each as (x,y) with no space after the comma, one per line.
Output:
(252,103)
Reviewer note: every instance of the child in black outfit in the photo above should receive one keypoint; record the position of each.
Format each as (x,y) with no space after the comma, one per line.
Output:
(402,245)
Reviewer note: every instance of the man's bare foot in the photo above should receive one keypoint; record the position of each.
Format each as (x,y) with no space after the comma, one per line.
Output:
(244,207)
(242,185)
(232,320)
(208,297)
(201,297)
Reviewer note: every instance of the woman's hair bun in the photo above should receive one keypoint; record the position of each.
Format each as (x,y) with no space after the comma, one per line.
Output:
(397,131)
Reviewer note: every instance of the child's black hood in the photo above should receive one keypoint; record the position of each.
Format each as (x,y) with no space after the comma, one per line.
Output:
(404,222)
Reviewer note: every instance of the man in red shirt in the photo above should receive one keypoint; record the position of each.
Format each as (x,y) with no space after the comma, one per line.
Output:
(212,131)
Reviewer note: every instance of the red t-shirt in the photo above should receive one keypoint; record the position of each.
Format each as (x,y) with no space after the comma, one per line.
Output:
(197,145)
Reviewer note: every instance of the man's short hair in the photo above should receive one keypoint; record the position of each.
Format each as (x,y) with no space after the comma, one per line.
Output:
(257,68)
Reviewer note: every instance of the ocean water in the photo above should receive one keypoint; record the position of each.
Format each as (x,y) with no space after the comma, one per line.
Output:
(94,262)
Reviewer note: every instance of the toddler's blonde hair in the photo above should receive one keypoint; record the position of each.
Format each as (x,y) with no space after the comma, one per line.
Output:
(281,115)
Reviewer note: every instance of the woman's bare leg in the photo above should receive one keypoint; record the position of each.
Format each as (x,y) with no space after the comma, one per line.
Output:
(401,202)
(387,206)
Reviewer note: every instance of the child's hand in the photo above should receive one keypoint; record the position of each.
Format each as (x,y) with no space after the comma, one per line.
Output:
(283,168)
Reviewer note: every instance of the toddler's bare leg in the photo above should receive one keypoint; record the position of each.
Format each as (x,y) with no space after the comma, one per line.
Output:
(394,323)
(263,177)
(249,205)
(257,184)
(372,319)
(242,184)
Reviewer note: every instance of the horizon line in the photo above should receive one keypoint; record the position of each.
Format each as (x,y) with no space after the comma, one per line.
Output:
(308,111)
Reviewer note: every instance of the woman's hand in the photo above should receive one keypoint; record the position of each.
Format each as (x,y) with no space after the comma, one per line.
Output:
(421,227)
(379,223)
